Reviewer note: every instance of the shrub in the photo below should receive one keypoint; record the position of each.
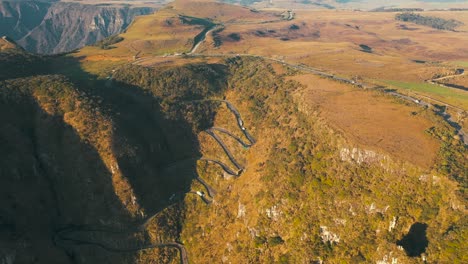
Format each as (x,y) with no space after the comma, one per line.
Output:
(430,21)
(108,42)
(276,240)
(294,27)
(365,48)
(234,36)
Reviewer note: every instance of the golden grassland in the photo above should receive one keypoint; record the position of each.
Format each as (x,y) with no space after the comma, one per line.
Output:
(164,33)
(171,61)
(458,80)
(322,36)
(142,3)
(320,194)
(330,40)
(220,12)
(370,119)
(403,55)
(302,122)
(363,5)
(4,44)
(151,35)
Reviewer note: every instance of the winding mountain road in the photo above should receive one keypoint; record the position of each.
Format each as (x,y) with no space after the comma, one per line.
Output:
(235,112)
(437,81)
(211,191)
(61,237)
(202,196)
(460,132)
(238,139)
(225,148)
(195,47)
(223,166)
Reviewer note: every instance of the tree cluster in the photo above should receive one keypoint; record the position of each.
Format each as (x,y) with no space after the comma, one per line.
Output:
(430,21)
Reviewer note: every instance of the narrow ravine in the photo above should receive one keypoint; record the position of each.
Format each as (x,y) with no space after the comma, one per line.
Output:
(73,235)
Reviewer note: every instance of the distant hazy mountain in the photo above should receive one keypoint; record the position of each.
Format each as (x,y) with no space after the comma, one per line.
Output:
(361,4)
(45,27)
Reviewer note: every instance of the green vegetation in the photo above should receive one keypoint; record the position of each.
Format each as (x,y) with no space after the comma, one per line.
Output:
(16,63)
(107,43)
(452,154)
(434,22)
(461,63)
(101,140)
(308,186)
(217,37)
(194,81)
(365,48)
(451,96)
(294,27)
(234,36)
(85,140)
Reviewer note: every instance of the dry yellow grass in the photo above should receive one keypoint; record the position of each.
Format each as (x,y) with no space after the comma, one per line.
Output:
(460,81)
(172,61)
(371,120)
(330,40)
(221,12)
(5,44)
(327,40)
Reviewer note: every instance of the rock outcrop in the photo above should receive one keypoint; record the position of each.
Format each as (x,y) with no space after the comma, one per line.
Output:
(49,28)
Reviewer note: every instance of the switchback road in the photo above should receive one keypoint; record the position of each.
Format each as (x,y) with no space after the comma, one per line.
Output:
(225,148)
(63,236)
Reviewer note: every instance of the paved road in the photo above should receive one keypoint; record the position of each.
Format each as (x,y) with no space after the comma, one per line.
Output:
(460,132)
(211,132)
(235,112)
(195,47)
(211,192)
(240,122)
(238,139)
(202,196)
(437,81)
(225,148)
(460,73)
(409,98)
(221,164)
(63,236)
(463,135)
(224,167)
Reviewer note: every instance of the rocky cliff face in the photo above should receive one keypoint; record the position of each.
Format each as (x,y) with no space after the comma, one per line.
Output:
(60,27)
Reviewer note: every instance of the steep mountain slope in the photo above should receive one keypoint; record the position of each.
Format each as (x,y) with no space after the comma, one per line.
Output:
(91,157)
(60,27)
(228,158)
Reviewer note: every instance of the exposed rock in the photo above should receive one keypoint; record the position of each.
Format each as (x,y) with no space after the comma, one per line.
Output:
(241,211)
(392,224)
(273,213)
(426,178)
(60,27)
(328,236)
(360,156)
(388,259)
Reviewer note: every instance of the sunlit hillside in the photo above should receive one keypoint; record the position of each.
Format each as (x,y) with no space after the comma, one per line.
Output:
(217,133)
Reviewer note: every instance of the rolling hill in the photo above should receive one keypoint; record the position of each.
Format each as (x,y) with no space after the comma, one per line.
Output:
(216,133)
